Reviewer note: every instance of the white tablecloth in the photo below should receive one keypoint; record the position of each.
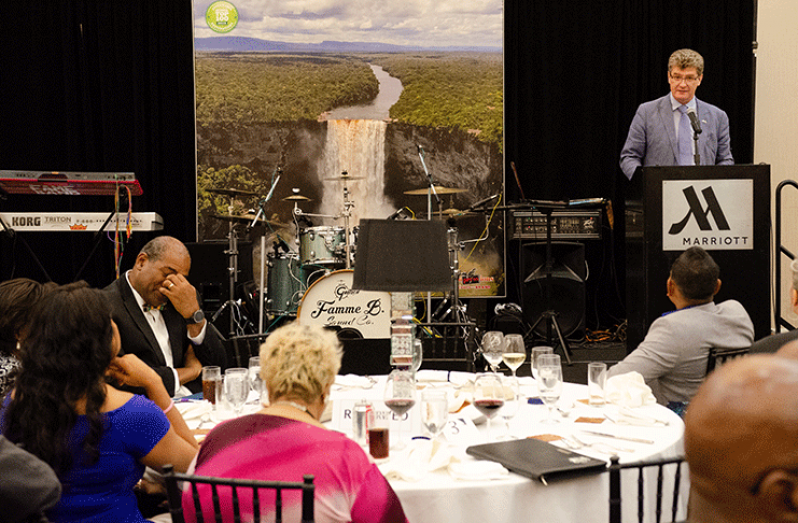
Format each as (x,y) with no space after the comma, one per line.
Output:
(437,497)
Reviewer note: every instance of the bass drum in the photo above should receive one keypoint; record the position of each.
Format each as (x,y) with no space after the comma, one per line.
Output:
(332,302)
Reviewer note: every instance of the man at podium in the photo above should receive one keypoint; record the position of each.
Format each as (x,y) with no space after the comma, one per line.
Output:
(663,130)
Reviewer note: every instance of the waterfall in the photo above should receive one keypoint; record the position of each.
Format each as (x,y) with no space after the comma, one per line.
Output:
(357,147)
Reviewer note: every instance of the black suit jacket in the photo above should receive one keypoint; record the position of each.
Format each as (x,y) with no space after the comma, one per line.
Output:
(138,338)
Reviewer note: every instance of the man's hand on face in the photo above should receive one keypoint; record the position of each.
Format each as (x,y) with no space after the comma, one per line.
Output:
(181,293)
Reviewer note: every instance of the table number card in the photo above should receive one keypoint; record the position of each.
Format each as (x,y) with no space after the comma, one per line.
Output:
(461,430)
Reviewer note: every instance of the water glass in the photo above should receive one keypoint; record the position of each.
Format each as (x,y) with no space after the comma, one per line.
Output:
(550,382)
(596,379)
(493,348)
(434,411)
(236,387)
(536,353)
(512,395)
(255,381)
(212,383)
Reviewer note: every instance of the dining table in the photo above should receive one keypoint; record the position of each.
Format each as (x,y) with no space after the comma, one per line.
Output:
(437,481)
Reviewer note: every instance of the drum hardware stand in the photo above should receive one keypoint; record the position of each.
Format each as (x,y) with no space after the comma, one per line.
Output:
(348,204)
(457,309)
(232,274)
(261,212)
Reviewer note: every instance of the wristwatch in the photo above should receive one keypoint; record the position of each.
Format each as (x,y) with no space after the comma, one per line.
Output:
(197,317)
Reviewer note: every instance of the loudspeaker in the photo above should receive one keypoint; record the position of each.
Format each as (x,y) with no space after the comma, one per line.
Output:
(567,297)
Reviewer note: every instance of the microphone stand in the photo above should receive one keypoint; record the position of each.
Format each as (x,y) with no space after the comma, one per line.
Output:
(262,212)
(697,155)
(430,192)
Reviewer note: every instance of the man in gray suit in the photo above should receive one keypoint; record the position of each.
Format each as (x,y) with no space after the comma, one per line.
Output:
(661,132)
(673,356)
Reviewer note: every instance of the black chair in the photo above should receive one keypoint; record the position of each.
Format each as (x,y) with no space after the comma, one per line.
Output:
(447,346)
(719,356)
(242,487)
(672,465)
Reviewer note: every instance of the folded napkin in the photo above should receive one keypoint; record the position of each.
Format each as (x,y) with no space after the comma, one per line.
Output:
(355,381)
(193,411)
(423,456)
(419,458)
(628,390)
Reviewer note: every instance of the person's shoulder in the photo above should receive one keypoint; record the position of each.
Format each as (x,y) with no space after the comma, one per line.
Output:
(652,105)
(708,107)
(772,343)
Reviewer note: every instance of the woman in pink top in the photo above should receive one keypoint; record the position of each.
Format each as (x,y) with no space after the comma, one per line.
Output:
(285,440)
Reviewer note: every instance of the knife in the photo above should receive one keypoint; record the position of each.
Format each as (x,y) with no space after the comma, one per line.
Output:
(626,438)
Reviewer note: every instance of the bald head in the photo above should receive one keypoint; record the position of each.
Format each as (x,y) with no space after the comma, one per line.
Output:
(741,441)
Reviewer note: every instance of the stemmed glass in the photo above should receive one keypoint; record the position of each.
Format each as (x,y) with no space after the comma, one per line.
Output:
(537,352)
(236,387)
(493,348)
(400,396)
(512,394)
(418,355)
(550,383)
(488,395)
(434,411)
(514,351)
(255,381)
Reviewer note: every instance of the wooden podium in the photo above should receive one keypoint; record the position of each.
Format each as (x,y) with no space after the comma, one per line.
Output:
(724,209)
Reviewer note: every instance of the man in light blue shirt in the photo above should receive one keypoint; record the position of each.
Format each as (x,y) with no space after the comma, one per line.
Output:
(657,129)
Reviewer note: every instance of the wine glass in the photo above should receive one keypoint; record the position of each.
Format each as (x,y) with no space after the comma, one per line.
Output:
(492,348)
(236,387)
(400,396)
(418,355)
(550,383)
(512,395)
(434,411)
(514,351)
(255,381)
(488,395)
(537,352)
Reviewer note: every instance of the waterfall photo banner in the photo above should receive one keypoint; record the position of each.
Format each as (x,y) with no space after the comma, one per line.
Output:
(345,112)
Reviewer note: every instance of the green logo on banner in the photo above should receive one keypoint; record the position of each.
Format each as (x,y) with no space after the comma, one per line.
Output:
(221,16)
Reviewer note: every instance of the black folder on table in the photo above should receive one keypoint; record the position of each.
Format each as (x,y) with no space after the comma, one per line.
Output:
(537,459)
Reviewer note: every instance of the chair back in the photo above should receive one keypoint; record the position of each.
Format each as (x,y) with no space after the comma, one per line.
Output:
(661,467)
(239,489)
(719,356)
(448,345)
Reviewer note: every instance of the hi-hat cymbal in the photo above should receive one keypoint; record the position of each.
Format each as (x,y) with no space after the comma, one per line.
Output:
(297,197)
(246,218)
(452,212)
(440,189)
(344,177)
(231,192)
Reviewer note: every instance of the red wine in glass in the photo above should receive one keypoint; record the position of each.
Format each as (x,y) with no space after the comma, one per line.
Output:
(400,406)
(489,407)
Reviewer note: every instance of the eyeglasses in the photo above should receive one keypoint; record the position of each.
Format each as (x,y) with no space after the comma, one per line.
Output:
(690,79)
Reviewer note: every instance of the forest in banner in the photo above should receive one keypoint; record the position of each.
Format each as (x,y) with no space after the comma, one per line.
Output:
(242,96)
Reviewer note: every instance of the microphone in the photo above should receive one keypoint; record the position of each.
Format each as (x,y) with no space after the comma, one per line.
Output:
(482,202)
(396,214)
(419,149)
(586,201)
(694,120)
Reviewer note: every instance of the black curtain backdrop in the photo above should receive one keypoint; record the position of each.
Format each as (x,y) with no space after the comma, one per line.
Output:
(575,72)
(92,85)
(103,87)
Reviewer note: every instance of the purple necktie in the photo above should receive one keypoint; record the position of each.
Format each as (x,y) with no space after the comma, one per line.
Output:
(685,138)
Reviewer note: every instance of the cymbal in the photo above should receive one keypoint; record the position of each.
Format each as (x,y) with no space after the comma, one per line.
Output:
(297,197)
(452,212)
(231,192)
(440,189)
(246,218)
(345,177)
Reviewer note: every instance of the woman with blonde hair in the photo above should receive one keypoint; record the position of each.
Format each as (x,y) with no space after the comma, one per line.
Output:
(285,440)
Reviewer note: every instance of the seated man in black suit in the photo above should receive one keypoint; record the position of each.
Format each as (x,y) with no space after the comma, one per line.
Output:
(159,317)
(774,342)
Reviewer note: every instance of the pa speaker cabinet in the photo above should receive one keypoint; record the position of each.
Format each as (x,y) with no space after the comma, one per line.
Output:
(567,285)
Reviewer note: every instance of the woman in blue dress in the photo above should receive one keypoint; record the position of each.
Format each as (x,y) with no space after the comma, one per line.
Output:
(97,439)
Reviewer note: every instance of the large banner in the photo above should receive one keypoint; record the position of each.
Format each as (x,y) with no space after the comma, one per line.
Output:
(313,114)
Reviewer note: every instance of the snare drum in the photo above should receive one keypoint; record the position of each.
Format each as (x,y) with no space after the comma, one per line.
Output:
(332,302)
(322,246)
(286,282)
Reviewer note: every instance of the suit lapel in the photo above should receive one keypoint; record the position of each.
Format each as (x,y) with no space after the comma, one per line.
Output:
(666,117)
(141,322)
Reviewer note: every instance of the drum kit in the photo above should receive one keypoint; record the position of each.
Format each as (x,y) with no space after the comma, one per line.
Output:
(300,277)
